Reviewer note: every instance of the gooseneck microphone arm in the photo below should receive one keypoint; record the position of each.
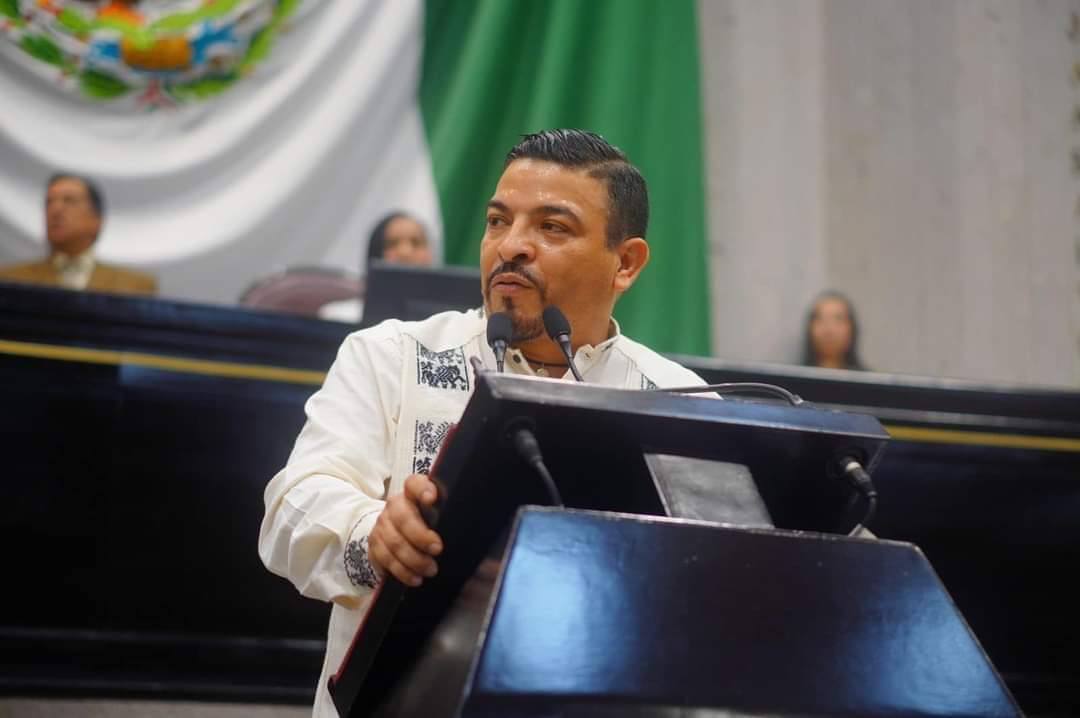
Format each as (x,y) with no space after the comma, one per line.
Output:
(737,387)
(500,355)
(500,332)
(853,471)
(520,435)
(558,328)
(564,343)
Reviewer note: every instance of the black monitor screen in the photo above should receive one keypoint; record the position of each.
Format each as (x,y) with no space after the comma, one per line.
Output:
(395,291)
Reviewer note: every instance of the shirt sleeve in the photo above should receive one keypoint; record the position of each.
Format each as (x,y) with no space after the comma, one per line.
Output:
(322,505)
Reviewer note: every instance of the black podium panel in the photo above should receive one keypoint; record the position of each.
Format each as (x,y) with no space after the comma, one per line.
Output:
(612,614)
(595,441)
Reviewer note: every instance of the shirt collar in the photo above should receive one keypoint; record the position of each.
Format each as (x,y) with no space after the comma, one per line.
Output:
(614,332)
(68,263)
(585,356)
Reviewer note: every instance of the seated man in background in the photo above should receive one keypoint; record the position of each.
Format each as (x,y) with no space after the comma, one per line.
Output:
(74,212)
(566,227)
(397,239)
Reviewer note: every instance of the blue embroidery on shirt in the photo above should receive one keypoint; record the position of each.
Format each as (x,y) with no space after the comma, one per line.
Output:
(358,564)
(442,370)
(428,439)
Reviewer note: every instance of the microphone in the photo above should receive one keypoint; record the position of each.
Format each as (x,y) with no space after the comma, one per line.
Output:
(520,434)
(558,328)
(853,470)
(500,330)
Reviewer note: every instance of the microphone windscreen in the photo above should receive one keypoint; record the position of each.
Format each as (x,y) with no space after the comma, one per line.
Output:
(499,329)
(555,322)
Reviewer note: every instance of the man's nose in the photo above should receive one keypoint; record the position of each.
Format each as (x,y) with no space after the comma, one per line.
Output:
(517,245)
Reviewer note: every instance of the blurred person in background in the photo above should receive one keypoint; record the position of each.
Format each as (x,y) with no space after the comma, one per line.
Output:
(74,213)
(832,334)
(398,238)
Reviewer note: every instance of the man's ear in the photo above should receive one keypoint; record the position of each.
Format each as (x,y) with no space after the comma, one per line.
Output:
(633,256)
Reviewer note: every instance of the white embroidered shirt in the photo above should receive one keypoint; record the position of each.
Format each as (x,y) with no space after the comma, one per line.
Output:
(380,416)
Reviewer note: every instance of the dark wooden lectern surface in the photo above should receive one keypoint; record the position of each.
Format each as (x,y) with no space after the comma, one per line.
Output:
(602,614)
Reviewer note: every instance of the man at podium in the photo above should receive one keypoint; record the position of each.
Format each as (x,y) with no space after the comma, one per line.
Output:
(566,228)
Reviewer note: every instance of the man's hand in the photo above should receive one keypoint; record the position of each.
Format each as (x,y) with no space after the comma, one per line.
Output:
(401,543)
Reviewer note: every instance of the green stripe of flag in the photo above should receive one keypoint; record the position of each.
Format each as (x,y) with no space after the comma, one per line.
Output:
(628,69)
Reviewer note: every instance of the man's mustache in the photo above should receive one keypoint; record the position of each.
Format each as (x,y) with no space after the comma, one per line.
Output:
(515,268)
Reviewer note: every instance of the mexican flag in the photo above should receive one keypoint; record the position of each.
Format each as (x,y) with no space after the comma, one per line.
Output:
(238,137)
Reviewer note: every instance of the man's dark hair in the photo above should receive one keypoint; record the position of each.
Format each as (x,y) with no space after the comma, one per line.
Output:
(97,201)
(628,197)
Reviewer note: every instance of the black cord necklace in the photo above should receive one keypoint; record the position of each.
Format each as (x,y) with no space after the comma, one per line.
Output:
(543,368)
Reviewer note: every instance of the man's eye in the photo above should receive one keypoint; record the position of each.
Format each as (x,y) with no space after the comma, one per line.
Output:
(495,221)
(552,227)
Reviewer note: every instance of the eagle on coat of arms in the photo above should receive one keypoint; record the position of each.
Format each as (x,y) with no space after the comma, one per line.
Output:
(160,52)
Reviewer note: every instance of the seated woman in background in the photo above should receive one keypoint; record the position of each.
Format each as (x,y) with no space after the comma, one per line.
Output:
(398,239)
(832,334)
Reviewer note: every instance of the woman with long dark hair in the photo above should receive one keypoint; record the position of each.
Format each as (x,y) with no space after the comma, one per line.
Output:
(832,333)
(398,238)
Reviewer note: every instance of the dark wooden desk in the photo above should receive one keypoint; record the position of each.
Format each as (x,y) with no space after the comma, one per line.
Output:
(138,435)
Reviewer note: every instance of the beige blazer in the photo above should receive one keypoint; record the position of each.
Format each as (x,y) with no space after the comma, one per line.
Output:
(104,279)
